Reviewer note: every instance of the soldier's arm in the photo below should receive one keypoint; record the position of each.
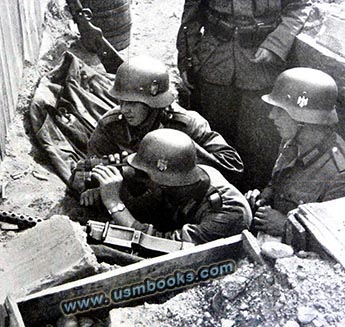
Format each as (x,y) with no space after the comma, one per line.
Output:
(294,15)
(192,17)
(217,217)
(212,149)
(100,142)
(98,139)
(336,188)
(217,224)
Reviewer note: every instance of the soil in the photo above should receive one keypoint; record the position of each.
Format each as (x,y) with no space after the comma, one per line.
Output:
(274,296)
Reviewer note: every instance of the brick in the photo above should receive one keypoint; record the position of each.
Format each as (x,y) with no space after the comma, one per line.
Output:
(52,253)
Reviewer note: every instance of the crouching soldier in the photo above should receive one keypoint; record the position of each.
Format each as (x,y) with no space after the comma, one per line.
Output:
(146,103)
(311,162)
(185,201)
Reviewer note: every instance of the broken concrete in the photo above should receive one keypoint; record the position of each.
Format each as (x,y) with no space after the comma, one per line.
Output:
(320,286)
(276,250)
(321,45)
(53,252)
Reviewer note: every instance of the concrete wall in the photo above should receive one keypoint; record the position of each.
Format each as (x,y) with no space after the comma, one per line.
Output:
(20,34)
(321,45)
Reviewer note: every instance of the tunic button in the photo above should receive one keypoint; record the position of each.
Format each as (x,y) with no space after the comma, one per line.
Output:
(301,201)
(335,149)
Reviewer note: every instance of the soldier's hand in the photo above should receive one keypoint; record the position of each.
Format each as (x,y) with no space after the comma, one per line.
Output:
(270,221)
(184,77)
(263,55)
(253,198)
(117,158)
(110,181)
(90,197)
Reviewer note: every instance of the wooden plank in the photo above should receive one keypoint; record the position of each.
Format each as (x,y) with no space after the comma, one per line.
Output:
(3,316)
(13,312)
(295,233)
(325,222)
(20,34)
(48,305)
(252,247)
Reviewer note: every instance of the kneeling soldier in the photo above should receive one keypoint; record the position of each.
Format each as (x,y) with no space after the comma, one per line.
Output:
(146,103)
(185,201)
(311,162)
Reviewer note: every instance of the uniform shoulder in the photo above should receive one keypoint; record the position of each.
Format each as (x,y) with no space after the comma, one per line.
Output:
(113,115)
(176,113)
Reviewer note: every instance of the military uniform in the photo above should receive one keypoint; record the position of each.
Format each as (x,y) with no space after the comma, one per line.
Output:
(114,135)
(212,210)
(317,176)
(221,55)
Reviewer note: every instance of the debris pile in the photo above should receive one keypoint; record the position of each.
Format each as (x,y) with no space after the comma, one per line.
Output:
(295,292)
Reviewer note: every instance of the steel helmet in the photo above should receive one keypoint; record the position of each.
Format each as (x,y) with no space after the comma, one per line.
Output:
(168,156)
(143,79)
(308,95)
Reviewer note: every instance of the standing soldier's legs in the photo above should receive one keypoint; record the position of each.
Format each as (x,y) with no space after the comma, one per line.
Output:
(218,104)
(257,140)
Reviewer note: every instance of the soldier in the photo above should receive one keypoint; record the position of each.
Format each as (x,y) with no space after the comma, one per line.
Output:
(311,162)
(146,103)
(193,202)
(234,50)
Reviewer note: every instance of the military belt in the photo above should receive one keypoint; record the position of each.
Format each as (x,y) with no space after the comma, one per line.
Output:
(249,29)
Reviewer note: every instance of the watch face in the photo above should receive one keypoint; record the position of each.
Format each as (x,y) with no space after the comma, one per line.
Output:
(120,207)
(117,208)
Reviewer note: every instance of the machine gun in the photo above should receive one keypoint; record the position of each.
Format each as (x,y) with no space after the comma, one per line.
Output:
(122,238)
(21,220)
(129,239)
(92,37)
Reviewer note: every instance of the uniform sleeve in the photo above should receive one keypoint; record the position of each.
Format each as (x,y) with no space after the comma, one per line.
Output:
(97,142)
(294,15)
(106,136)
(267,193)
(215,224)
(193,19)
(212,149)
(336,188)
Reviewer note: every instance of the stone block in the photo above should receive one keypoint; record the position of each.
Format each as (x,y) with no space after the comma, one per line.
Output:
(52,253)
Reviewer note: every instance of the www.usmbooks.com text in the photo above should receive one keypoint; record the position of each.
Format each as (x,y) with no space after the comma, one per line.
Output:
(148,287)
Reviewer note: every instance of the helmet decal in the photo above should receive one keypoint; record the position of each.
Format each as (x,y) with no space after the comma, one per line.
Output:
(302,100)
(162,164)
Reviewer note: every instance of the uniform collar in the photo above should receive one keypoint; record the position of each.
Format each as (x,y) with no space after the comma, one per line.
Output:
(318,150)
(289,154)
(151,123)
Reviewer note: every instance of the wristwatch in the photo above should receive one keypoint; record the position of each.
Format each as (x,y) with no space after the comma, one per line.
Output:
(117,208)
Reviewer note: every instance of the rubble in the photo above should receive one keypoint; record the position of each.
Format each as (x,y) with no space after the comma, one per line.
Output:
(269,298)
(53,252)
(276,250)
(306,315)
(255,295)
